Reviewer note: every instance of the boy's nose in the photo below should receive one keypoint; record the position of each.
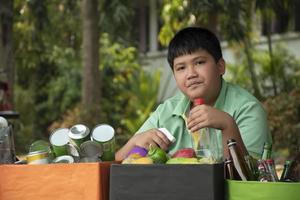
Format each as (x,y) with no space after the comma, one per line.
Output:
(191,72)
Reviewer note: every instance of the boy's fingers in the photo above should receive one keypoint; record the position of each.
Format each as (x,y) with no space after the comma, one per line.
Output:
(163,137)
(160,142)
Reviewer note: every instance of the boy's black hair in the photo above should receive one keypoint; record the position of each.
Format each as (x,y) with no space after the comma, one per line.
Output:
(191,39)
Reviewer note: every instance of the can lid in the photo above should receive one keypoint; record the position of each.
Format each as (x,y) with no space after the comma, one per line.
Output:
(91,149)
(103,133)
(64,159)
(78,131)
(59,137)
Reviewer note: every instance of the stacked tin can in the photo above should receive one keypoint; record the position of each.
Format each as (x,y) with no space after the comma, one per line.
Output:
(77,144)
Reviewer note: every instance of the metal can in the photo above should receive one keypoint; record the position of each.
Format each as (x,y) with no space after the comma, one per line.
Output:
(105,135)
(74,152)
(64,159)
(59,140)
(38,157)
(92,150)
(78,134)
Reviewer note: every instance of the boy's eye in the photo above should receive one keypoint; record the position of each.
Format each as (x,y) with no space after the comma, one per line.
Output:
(179,68)
(199,62)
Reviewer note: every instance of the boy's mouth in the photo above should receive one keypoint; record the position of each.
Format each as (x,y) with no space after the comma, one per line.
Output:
(193,84)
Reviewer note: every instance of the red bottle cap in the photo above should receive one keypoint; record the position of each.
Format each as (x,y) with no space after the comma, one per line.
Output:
(198,101)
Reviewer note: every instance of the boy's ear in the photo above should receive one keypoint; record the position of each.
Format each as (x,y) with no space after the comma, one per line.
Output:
(221,66)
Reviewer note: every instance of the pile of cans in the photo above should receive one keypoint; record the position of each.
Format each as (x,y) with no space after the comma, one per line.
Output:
(75,144)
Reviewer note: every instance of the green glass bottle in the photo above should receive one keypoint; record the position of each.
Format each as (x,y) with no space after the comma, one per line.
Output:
(267,151)
(286,168)
(293,173)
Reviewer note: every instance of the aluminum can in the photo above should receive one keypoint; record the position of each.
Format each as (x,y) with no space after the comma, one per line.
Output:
(105,135)
(59,140)
(78,134)
(64,159)
(37,157)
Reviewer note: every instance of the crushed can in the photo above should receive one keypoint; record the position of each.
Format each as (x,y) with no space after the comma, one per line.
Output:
(91,151)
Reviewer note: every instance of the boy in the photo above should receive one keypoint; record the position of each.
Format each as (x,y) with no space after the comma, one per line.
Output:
(195,57)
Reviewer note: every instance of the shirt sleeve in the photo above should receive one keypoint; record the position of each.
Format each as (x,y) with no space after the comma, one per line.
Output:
(151,122)
(253,126)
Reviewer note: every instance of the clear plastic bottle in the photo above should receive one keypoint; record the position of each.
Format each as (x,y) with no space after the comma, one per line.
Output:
(204,143)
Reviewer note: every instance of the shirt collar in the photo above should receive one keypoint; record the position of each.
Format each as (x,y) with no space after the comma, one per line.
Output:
(182,105)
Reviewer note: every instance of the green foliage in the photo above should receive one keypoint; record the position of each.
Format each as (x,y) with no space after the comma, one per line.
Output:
(286,71)
(284,120)
(132,92)
(47,64)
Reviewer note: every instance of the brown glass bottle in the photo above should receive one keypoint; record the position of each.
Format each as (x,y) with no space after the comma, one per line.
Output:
(229,174)
(239,162)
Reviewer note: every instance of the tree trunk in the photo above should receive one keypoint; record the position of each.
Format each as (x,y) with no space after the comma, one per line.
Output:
(6,47)
(91,88)
(248,49)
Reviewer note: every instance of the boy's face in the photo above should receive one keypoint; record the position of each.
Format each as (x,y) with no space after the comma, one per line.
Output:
(198,75)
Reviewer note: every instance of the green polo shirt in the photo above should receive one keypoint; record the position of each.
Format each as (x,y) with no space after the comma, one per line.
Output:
(245,109)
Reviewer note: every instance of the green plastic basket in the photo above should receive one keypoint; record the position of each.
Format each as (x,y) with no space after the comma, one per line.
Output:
(246,190)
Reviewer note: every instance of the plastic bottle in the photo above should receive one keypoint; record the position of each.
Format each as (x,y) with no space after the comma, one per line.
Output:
(201,140)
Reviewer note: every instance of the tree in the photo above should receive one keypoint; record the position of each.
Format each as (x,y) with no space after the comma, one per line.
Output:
(91,88)
(6,45)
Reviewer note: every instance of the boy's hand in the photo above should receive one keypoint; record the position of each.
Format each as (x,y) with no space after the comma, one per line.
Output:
(206,116)
(151,137)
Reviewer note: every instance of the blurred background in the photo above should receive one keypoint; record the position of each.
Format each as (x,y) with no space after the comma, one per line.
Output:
(64,62)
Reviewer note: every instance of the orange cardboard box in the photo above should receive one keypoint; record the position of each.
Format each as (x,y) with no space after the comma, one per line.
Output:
(79,181)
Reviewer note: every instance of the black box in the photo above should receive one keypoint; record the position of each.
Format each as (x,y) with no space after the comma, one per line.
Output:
(167,182)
